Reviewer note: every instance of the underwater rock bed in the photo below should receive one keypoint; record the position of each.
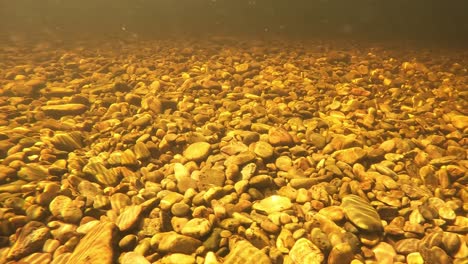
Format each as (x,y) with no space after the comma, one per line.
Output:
(232,151)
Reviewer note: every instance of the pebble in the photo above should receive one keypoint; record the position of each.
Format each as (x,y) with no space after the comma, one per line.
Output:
(242,252)
(197,227)
(350,155)
(280,137)
(263,150)
(341,253)
(30,239)
(57,111)
(361,213)
(172,242)
(384,253)
(290,155)
(306,252)
(197,151)
(272,204)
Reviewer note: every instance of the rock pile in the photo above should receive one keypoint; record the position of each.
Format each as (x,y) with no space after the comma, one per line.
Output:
(197,152)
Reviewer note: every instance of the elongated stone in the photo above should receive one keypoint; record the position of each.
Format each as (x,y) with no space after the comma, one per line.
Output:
(361,213)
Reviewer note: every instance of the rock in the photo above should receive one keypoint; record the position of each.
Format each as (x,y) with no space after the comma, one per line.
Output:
(133,258)
(57,111)
(280,137)
(242,252)
(197,227)
(317,140)
(263,149)
(66,209)
(171,242)
(406,246)
(350,155)
(305,252)
(128,218)
(178,258)
(211,177)
(67,141)
(272,204)
(459,121)
(341,253)
(141,151)
(384,253)
(95,246)
(414,258)
(32,172)
(197,151)
(361,213)
(30,239)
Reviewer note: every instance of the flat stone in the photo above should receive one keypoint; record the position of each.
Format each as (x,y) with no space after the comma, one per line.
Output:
(211,177)
(30,238)
(242,252)
(361,213)
(57,111)
(263,149)
(341,253)
(306,252)
(128,218)
(178,258)
(96,246)
(67,141)
(197,151)
(384,253)
(272,204)
(197,227)
(280,137)
(171,242)
(350,155)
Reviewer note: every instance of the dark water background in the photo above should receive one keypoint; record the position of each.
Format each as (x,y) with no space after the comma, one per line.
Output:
(425,20)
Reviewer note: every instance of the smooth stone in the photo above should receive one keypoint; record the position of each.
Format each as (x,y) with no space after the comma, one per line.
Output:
(242,252)
(133,258)
(414,258)
(317,140)
(334,213)
(280,137)
(284,163)
(180,209)
(272,204)
(350,155)
(406,246)
(341,254)
(197,227)
(451,242)
(384,253)
(170,199)
(128,242)
(306,252)
(178,258)
(57,111)
(261,182)
(197,151)
(171,242)
(263,149)
(361,213)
